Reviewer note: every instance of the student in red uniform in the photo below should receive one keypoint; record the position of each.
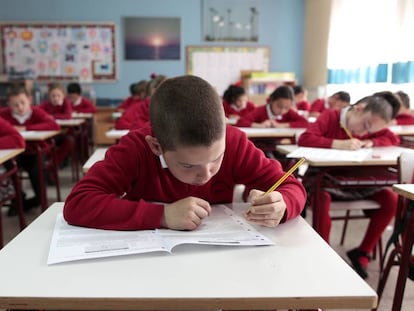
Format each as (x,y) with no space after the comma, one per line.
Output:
(367,121)
(404,116)
(188,163)
(10,138)
(25,117)
(138,95)
(57,105)
(301,99)
(79,102)
(236,103)
(337,101)
(138,116)
(278,112)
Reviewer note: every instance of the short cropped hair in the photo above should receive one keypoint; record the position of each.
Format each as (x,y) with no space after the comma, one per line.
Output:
(74,88)
(233,92)
(15,90)
(383,104)
(186,111)
(140,88)
(404,98)
(343,96)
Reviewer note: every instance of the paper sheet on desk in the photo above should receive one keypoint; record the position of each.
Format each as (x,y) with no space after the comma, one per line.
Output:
(222,227)
(327,154)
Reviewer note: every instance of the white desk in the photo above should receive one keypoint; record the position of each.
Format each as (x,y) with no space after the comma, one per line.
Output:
(402,130)
(252,132)
(300,271)
(7,154)
(36,136)
(116,134)
(97,155)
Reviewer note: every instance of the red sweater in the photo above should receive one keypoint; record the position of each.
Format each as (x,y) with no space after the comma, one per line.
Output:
(327,127)
(95,200)
(130,102)
(58,112)
(405,119)
(259,115)
(38,121)
(318,105)
(229,110)
(10,138)
(85,106)
(303,105)
(136,117)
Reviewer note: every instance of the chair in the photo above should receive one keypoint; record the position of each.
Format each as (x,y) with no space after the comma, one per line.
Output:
(402,238)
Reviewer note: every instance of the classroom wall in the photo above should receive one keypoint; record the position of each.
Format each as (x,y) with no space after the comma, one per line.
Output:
(281,26)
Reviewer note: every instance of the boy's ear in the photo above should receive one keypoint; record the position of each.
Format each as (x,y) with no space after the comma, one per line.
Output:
(154,145)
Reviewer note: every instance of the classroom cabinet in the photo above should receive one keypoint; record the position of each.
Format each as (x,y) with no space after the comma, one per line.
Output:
(103,123)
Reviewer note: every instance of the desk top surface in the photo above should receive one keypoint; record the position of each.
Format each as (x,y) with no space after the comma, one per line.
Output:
(406,190)
(70,122)
(97,155)
(82,115)
(252,132)
(38,135)
(7,154)
(402,129)
(300,271)
(383,156)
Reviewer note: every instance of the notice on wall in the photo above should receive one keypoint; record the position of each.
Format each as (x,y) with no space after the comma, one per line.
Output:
(85,52)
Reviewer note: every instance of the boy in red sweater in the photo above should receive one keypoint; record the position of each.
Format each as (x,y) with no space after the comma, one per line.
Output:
(10,138)
(79,103)
(404,116)
(138,95)
(188,159)
(336,101)
(367,121)
(24,117)
(278,112)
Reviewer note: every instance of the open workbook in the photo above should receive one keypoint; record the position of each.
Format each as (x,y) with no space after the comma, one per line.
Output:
(222,227)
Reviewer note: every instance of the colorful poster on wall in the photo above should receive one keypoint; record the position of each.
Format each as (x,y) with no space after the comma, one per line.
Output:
(82,52)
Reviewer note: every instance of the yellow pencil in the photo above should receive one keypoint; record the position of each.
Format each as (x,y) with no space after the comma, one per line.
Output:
(347,131)
(286,175)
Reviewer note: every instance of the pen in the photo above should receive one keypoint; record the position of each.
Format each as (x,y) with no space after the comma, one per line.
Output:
(286,175)
(347,131)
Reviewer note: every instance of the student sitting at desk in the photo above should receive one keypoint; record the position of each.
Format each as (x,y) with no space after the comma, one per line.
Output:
(188,163)
(301,99)
(138,95)
(79,102)
(25,117)
(404,116)
(138,115)
(367,122)
(10,138)
(336,101)
(236,103)
(57,105)
(278,112)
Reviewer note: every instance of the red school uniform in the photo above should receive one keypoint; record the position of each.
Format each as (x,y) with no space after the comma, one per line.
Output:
(118,192)
(303,105)
(321,134)
(230,110)
(10,138)
(63,111)
(129,102)
(83,105)
(39,120)
(136,117)
(261,114)
(405,119)
(328,127)
(318,105)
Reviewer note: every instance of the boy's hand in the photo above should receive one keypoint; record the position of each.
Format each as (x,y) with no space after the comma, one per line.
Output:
(266,210)
(347,144)
(185,214)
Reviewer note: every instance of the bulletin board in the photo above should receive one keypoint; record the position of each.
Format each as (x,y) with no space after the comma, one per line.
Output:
(84,52)
(222,65)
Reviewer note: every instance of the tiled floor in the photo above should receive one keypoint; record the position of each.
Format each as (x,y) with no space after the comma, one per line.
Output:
(355,231)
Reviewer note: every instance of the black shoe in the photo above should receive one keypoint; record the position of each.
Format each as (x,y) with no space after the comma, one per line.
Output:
(354,256)
(31,203)
(411,272)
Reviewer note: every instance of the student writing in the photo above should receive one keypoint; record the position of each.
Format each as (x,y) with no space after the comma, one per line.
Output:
(337,101)
(367,122)
(236,103)
(57,105)
(79,102)
(187,162)
(278,112)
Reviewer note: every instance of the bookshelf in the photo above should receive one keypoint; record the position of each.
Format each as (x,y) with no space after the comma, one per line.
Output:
(259,85)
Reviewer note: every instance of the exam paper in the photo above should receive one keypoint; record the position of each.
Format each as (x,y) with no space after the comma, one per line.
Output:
(222,227)
(328,154)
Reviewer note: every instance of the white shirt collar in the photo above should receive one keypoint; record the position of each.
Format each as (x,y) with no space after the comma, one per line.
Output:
(270,114)
(162,160)
(78,101)
(342,117)
(22,119)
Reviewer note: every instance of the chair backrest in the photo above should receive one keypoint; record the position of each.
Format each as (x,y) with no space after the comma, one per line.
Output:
(406,167)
